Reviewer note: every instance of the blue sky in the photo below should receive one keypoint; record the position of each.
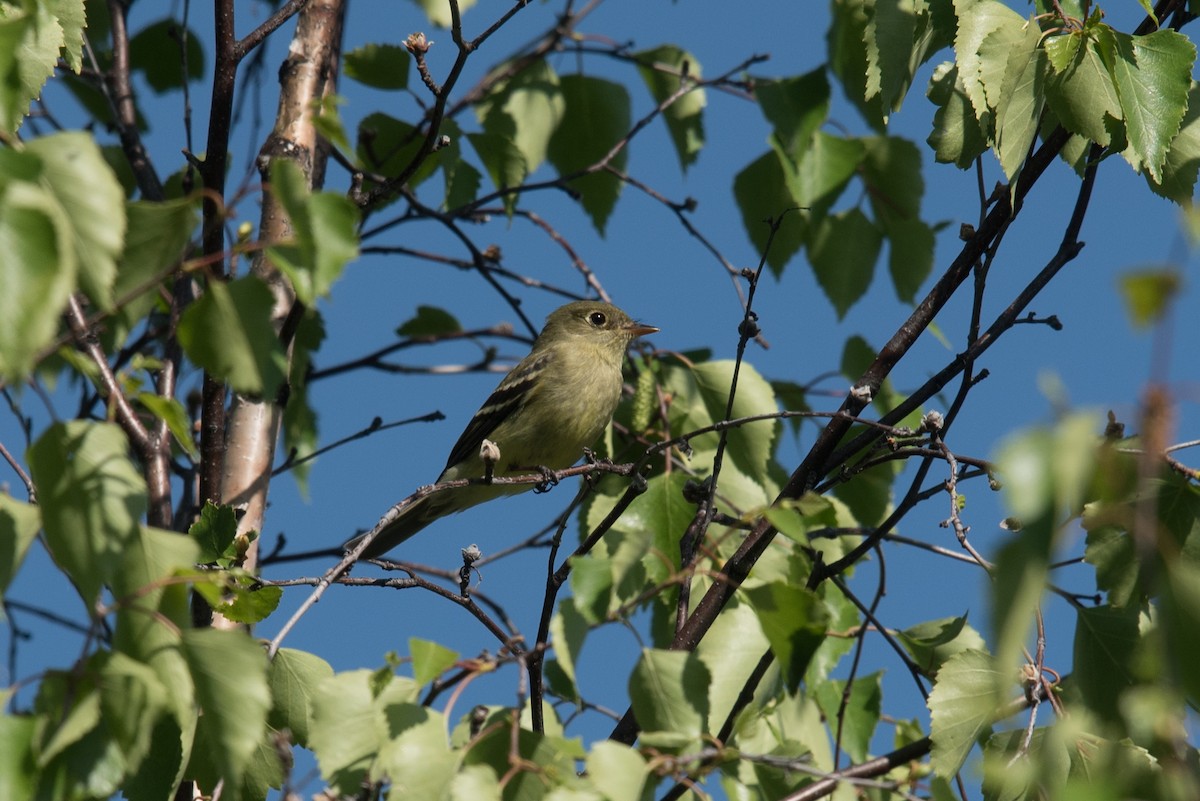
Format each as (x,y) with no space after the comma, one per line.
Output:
(655,270)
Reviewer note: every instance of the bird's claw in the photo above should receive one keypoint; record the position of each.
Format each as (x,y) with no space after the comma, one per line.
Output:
(549,480)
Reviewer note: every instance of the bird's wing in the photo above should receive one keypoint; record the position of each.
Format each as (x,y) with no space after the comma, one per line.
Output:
(511,395)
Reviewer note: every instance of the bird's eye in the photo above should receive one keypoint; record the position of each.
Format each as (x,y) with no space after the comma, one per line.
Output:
(597,319)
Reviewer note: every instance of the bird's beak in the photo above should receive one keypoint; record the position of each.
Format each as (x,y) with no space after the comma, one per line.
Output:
(640,330)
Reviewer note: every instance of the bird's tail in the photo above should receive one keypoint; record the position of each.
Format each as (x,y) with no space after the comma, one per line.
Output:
(403,523)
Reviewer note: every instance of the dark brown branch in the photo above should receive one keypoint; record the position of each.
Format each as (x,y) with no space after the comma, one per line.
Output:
(257,36)
(124,109)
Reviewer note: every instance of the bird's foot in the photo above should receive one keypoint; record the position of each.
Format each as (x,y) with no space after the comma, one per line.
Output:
(549,480)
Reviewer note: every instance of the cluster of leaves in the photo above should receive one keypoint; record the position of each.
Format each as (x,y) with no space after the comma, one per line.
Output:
(764,699)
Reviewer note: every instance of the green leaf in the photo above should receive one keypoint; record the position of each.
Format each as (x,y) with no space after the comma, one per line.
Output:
(568,628)
(731,650)
(1022,95)
(387,146)
(132,700)
(1152,75)
(299,418)
(1148,294)
(37,273)
(19,525)
(962,707)
(910,256)
(892,170)
(595,119)
(156,51)
(18,769)
(171,412)
(858,714)
(669,694)
(661,69)
(430,659)
(843,249)
(985,28)
(763,194)
(825,168)
(327,119)
(383,66)
(250,603)
(618,771)
(416,758)
(294,677)
(795,621)
(1183,159)
(1181,620)
(91,498)
(228,332)
(75,172)
(1118,573)
(324,233)
(525,110)
(344,732)
(229,670)
(550,760)
(30,42)
(1106,639)
(957,137)
(888,37)
(348,726)
(750,446)
(932,643)
(504,162)
(72,702)
(592,587)
(439,12)
(796,107)
(214,531)
(851,58)
(155,242)
(1080,91)
(475,783)
(429,321)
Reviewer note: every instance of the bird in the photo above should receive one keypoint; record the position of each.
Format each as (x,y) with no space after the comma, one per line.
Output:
(551,406)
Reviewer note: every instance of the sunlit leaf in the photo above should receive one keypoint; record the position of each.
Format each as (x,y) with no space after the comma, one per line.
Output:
(962,707)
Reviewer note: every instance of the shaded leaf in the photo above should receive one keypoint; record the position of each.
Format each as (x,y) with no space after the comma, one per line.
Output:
(324,233)
(843,249)
(228,332)
(91,498)
(669,694)
(19,525)
(932,643)
(229,670)
(157,52)
(795,621)
(684,117)
(596,117)
(429,321)
(38,273)
(957,137)
(764,194)
(383,66)
(796,107)
(858,714)
(525,110)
